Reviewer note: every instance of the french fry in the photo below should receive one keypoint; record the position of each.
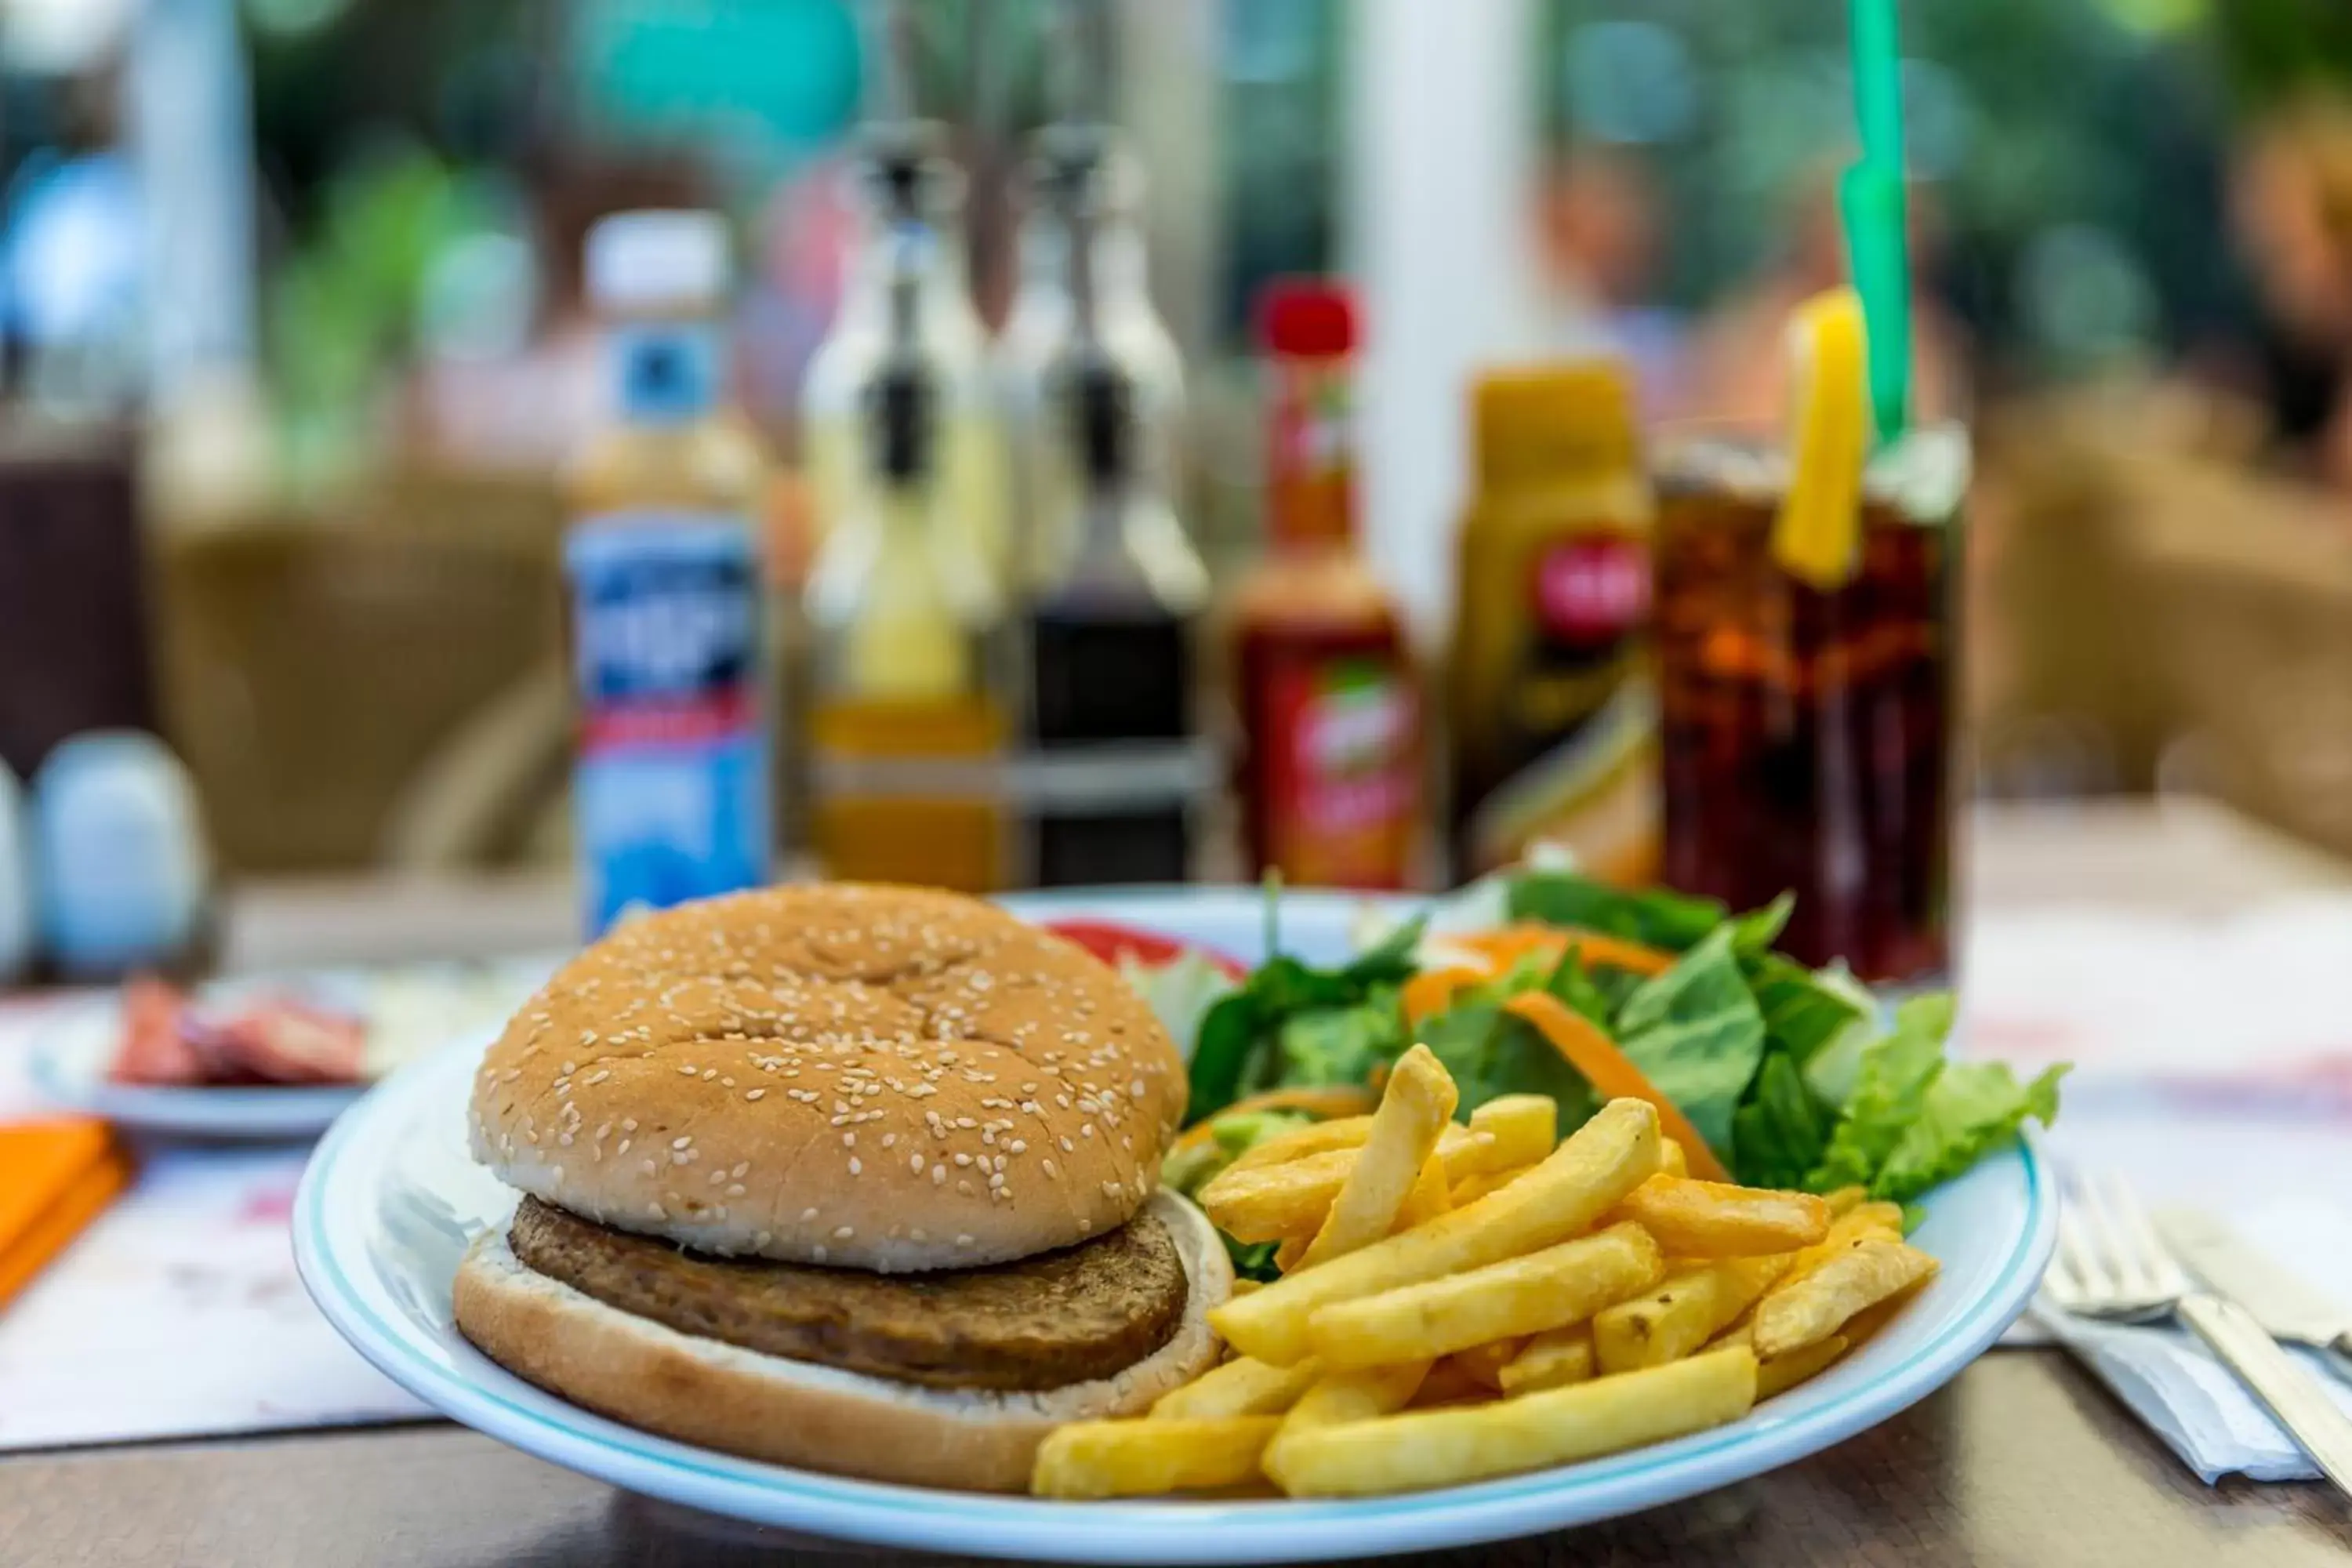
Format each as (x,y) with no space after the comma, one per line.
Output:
(1525,1127)
(1140,1457)
(1239,1388)
(1553,1359)
(1445,1383)
(1483,1365)
(1783,1373)
(1865,1325)
(1316,1138)
(1338,1397)
(1606,1158)
(1429,1198)
(1447,1448)
(1878,1214)
(1357,1394)
(1243,1287)
(1470,1189)
(1267,1202)
(1288,1256)
(1844,1201)
(1681,1315)
(1415,1108)
(1713,1219)
(1863,1222)
(1551,1289)
(1813,1309)
(1672,1161)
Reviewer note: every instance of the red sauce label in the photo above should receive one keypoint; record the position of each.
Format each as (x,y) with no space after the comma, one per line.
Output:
(1342,785)
(1590,593)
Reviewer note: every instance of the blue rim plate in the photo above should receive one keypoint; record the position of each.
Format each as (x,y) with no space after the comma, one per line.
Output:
(391,1199)
(69,1062)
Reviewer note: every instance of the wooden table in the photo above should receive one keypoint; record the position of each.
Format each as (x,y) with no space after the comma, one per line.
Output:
(2021,1460)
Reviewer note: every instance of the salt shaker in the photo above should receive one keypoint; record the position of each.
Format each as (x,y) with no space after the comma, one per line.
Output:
(15,882)
(119,853)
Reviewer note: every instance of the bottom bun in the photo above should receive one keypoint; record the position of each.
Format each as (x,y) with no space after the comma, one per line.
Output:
(718,1395)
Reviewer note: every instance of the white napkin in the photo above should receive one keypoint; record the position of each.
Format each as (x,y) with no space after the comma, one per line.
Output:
(2184,1395)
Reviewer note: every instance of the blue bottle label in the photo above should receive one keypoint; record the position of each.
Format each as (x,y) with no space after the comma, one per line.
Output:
(670,796)
(665,372)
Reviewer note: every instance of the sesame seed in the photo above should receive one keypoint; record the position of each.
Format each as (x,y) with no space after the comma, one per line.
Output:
(625,1145)
(681,1142)
(600,1075)
(842,1233)
(736,1191)
(816,1254)
(938,1176)
(650,1167)
(915,1160)
(807,1215)
(754,1094)
(963,1241)
(964,1159)
(855,1168)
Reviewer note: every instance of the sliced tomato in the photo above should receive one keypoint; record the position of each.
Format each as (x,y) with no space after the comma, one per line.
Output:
(1110,941)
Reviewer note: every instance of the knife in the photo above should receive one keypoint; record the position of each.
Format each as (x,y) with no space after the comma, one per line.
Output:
(2288,1309)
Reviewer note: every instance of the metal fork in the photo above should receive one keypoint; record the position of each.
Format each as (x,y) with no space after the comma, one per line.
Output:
(2110,1266)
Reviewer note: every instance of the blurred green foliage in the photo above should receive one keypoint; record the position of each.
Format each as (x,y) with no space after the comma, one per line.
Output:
(341,311)
(2041,128)
(2277,47)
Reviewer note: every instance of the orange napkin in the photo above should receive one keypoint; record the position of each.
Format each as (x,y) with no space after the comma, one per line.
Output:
(56,1176)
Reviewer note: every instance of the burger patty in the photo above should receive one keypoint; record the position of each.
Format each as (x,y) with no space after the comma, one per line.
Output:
(1072,1316)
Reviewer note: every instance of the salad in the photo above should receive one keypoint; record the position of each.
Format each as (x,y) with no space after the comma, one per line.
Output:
(1544,981)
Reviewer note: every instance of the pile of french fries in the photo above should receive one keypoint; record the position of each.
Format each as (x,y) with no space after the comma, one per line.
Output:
(1460,1302)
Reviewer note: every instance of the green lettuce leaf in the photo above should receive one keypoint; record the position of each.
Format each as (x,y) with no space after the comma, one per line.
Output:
(1780,1131)
(1238,1048)
(1337,1044)
(1696,1035)
(1804,1010)
(1889,1093)
(1971,1108)
(1573,984)
(1756,930)
(1491,1053)
(1658,918)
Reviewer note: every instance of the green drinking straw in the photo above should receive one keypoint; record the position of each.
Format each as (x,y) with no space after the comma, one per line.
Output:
(1871,201)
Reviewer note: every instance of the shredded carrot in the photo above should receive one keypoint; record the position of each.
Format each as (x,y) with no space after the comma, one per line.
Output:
(1327,1102)
(1432,991)
(1506,945)
(1611,1073)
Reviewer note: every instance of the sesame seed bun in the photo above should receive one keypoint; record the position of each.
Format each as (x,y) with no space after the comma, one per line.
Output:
(721,1396)
(882,1077)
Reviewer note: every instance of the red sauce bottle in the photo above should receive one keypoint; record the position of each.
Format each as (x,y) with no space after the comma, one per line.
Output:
(1331,770)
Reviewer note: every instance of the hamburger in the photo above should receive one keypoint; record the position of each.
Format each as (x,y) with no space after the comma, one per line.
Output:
(862,1179)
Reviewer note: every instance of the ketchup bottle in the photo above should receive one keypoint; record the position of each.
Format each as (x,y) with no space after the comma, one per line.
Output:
(1331,728)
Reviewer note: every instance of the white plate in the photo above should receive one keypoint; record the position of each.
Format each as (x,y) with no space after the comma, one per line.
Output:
(390,1200)
(69,1057)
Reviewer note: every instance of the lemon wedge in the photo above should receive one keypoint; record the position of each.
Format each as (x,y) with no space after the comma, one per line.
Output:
(1818,535)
